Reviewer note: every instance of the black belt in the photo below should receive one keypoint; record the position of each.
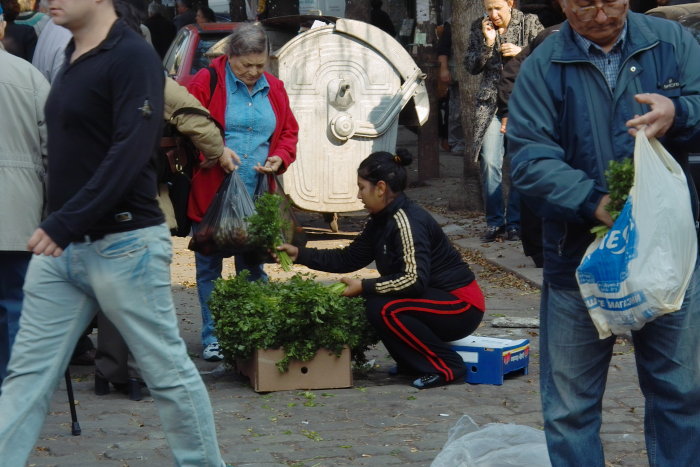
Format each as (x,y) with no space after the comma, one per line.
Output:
(90,238)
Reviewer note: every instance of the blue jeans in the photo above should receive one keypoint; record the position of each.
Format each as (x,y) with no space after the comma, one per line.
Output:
(208,269)
(13,267)
(491,162)
(127,275)
(574,368)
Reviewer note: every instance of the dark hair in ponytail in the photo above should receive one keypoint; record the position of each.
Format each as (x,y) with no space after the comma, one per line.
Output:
(386,166)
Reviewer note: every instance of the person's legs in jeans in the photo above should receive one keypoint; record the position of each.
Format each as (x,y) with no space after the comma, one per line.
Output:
(574,367)
(130,276)
(55,313)
(255,269)
(208,269)
(668,364)
(13,267)
(491,161)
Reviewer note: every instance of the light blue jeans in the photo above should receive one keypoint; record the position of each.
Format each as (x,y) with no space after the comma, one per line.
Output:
(491,163)
(574,368)
(208,269)
(127,275)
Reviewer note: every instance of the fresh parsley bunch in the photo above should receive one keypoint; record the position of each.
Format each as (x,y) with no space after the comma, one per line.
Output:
(300,315)
(620,177)
(266,226)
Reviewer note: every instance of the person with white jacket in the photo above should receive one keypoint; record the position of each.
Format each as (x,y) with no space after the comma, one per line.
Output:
(23,92)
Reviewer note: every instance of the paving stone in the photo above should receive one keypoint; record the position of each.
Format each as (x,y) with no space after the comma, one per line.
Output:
(381,416)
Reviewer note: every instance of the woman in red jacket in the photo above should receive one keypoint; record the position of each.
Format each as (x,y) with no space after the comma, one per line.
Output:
(252,107)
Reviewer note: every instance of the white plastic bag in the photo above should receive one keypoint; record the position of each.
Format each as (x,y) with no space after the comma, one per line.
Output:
(641,268)
(493,445)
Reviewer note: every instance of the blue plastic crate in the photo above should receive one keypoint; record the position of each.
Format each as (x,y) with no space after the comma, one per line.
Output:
(488,359)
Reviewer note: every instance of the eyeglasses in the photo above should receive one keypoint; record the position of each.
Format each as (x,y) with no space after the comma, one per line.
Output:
(612,9)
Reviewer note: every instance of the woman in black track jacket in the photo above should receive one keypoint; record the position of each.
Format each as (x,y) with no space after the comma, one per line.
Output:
(426,294)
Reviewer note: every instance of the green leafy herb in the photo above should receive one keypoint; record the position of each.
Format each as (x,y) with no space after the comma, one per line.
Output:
(620,177)
(301,316)
(265,227)
(338,288)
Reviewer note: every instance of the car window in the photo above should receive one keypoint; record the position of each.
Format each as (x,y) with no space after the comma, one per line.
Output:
(200,60)
(176,54)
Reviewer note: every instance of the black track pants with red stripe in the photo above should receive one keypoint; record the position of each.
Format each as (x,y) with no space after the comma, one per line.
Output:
(415,330)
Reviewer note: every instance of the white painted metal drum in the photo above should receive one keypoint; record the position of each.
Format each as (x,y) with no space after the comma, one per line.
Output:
(347,84)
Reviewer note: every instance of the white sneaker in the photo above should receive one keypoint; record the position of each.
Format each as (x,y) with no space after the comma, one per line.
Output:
(212,353)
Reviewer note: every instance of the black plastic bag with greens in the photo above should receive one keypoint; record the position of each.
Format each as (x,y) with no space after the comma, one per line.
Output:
(224,227)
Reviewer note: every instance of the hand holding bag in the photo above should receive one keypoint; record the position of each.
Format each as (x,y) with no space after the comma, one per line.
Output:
(641,268)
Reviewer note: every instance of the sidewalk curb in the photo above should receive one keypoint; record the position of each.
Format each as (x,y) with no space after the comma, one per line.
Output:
(506,255)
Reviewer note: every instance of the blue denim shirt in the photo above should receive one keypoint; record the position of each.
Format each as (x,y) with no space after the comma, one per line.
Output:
(250,122)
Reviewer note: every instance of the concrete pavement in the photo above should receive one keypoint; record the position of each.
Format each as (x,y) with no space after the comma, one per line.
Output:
(380,421)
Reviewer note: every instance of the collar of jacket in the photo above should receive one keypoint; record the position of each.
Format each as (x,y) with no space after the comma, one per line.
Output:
(639,37)
(389,210)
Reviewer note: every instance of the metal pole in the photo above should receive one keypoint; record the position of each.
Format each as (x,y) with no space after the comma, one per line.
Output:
(75,426)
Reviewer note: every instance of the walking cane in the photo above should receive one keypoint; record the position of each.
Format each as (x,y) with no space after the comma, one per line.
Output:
(75,426)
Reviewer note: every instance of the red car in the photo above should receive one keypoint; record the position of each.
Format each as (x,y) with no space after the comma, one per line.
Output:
(185,57)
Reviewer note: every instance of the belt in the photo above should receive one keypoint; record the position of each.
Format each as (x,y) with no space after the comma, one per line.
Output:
(90,238)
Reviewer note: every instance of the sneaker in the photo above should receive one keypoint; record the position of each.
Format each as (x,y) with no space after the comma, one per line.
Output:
(513,235)
(429,381)
(212,353)
(492,233)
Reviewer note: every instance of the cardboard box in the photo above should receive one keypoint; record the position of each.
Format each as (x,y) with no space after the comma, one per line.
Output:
(324,371)
(488,358)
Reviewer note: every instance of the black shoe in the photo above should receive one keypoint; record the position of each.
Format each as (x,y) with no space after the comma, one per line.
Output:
(429,381)
(513,235)
(492,234)
(134,389)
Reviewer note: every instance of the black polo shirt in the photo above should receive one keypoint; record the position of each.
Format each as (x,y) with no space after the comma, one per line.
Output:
(104,117)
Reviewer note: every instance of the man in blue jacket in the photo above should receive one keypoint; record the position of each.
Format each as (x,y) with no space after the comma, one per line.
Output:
(578,101)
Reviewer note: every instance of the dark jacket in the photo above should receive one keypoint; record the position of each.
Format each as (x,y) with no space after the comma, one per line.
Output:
(489,62)
(162,33)
(184,19)
(512,68)
(104,119)
(410,249)
(20,40)
(566,125)
(381,19)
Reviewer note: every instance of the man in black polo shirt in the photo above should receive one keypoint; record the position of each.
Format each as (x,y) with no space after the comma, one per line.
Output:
(104,244)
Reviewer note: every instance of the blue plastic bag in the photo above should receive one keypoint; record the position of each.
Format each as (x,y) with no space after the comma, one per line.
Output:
(641,268)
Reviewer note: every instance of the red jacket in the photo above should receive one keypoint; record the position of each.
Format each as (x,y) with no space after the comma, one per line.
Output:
(205,182)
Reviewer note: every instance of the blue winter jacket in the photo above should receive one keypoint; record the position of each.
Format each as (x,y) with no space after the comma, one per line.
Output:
(566,125)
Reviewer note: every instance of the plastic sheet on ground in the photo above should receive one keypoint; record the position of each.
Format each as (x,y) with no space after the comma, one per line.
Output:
(493,445)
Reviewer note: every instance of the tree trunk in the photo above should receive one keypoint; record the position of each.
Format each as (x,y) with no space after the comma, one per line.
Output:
(463,14)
